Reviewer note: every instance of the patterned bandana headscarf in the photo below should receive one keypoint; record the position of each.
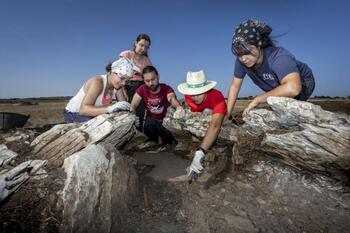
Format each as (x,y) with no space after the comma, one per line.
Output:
(124,67)
(250,32)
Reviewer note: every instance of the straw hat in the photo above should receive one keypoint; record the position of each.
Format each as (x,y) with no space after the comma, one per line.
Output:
(196,84)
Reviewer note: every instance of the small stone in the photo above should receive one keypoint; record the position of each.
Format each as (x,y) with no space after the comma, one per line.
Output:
(229,180)
(12,138)
(257,168)
(261,201)
(195,139)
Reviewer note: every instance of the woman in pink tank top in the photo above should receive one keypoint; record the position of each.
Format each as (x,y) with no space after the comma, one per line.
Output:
(139,56)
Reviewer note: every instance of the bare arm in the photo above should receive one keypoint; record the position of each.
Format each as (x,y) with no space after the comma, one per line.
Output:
(232,95)
(173,100)
(290,87)
(121,94)
(213,131)
(92,88)
(135,102)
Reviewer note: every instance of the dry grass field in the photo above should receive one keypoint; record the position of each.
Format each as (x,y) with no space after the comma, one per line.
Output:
(41,113)
(51,112)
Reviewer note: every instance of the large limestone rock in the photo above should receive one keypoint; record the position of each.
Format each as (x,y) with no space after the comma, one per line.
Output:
(6,155)
(197,124)
(12,179)
(301,134)
(99,187)
(64,140)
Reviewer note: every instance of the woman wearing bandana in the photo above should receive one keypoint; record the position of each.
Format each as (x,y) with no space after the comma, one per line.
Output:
(274,69)
(95,96)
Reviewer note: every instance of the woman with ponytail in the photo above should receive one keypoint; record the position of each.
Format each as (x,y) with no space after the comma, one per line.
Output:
(274,69)
(139,56)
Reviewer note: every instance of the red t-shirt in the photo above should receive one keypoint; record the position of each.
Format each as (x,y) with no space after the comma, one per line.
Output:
(156,104)
(214,100)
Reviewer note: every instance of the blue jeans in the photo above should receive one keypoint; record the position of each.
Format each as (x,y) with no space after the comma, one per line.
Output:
(71,117)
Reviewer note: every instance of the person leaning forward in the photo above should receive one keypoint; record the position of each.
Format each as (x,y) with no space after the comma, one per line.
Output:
(200,95)
(95,96)
(157,97)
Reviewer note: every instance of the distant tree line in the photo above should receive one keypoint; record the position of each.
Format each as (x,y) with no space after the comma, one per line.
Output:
(330,97)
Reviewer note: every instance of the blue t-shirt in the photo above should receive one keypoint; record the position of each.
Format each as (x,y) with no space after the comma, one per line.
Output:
(277,63)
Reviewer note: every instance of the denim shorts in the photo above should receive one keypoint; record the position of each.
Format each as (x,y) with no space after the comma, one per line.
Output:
(71,117)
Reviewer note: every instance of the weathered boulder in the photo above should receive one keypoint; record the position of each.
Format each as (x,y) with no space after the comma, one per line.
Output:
(64,140)
(12,179)
(301,134)
(6,155)
(197,124)
(99,187)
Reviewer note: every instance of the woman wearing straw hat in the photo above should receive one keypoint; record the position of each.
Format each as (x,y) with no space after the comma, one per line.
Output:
(95,96)
(200,95)
(274,69)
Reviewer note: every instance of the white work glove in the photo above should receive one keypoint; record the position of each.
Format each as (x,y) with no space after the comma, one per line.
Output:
(137,121)
(179,113)
(119,106)
(207,111)
(196,167)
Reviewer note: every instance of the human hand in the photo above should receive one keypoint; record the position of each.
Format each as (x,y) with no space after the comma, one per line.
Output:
(179,113)
(196,166)
(119,106)
(207,111)
(227,117)
(250,106)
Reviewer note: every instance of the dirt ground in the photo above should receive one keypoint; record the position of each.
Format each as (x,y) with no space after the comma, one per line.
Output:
(262,195)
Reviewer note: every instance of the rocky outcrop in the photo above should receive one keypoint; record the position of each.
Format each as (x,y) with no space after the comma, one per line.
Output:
(6,155)
(64,140)
(12,179)
(298,133)
(99,187)
(197,124)
(301,134)
(98,184)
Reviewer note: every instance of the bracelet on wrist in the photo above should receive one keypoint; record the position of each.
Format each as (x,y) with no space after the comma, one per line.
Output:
(201,149)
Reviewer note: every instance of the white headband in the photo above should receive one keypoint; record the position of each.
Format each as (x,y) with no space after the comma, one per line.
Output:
(123,66)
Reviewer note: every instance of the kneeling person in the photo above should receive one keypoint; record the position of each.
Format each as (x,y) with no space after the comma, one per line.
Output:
(200,95)
(157,97)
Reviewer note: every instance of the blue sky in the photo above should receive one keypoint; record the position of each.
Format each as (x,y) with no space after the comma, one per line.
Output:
(49,48)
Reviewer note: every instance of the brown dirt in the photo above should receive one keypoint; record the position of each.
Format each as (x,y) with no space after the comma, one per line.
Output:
(33,207)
